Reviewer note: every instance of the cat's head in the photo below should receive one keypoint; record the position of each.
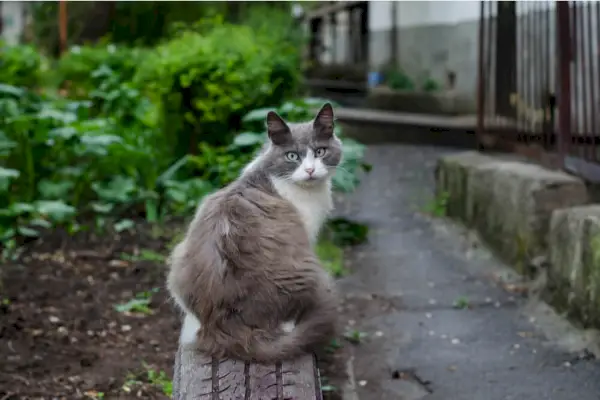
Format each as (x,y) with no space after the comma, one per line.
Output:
(305,153)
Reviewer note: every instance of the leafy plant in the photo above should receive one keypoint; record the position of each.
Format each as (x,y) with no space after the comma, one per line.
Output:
(206,81)
(439,205)
(355,336)
(20,65)
(158,379)
(80,67)
(331,257)
(139,304)
(344,232)
(399,80)
(431,85)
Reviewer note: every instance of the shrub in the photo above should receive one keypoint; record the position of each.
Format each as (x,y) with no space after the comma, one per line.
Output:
(20,65)
(81,68)
(205,82)
(58,161)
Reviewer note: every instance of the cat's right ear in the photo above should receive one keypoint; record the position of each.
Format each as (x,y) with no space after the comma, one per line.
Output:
(277,128)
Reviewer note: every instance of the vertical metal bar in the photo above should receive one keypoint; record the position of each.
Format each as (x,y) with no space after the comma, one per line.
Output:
(364,32)
(333,33)
(592,41)
(490,52)
(521,85)
(394,34)
(529,71)
(538,75)
(480,76)
(563,76)
(575,54)
(550,87)
(587,79)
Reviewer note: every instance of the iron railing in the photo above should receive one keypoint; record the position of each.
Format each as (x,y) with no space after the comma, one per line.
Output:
(539,77)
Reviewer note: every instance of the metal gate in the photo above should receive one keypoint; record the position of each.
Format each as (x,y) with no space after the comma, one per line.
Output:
(539,81)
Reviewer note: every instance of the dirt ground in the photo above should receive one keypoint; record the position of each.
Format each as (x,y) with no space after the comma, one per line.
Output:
(87,316)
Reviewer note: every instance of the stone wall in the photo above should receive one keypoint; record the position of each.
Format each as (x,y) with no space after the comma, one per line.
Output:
(525,212)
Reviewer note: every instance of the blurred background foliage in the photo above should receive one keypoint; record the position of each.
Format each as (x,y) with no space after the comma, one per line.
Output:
(154,105)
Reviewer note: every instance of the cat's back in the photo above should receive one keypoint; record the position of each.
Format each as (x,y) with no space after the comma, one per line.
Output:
(249,225)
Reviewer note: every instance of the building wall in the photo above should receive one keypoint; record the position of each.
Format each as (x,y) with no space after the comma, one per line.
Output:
(438,37)
(13,20)
(434,38)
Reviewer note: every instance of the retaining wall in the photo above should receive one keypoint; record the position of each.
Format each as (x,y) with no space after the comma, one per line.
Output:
(524,211)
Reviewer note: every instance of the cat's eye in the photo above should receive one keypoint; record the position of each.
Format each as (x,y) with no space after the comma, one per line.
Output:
(292,156)
(320,152)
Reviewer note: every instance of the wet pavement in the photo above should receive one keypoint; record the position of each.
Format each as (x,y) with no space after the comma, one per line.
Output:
(409,290)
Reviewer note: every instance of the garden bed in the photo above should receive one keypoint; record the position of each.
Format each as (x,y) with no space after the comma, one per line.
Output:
(61,332)
(86,316)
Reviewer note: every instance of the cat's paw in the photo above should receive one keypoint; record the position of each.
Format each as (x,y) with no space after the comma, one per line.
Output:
(189,329)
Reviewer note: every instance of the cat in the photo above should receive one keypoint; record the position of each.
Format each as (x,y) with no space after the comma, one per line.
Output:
(245,275)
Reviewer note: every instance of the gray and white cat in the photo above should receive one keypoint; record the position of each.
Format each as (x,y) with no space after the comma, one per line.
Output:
(245,275)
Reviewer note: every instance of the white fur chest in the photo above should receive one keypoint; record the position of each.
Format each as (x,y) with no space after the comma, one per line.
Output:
(313,203)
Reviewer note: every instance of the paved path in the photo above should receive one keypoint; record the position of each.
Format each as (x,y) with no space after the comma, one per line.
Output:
(402,289)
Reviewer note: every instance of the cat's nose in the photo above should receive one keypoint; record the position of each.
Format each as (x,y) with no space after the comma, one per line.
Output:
(309,171)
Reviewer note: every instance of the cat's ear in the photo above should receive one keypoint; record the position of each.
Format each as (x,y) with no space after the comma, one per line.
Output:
(277,128)
(323,124)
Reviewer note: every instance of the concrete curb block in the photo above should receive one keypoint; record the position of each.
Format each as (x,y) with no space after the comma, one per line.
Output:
(508,202)
(574,259)
(524,211)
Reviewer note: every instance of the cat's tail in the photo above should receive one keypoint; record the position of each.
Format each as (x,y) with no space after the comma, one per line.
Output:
(305,337)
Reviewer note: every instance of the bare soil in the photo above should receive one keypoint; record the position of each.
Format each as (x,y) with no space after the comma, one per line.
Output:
(61,336)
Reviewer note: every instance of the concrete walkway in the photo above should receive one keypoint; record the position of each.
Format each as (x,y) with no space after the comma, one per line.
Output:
(401,292)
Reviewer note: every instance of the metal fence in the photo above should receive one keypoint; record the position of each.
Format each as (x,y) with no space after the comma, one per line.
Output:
(539,81)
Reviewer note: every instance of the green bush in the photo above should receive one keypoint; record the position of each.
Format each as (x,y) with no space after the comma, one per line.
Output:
(81,68)
(143,132)
(58,161)
(398,79)
(205,82)
(20,65)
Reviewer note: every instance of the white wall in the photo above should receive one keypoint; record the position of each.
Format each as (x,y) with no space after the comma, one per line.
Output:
(12,21)
(416,13)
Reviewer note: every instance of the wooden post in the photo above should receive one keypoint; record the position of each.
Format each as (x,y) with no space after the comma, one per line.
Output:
(62,24)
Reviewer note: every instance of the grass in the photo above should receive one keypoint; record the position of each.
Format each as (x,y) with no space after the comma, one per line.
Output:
(332,257)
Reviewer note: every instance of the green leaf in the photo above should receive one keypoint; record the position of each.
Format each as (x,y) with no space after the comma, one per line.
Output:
(134,305)
(102,208)
(100,140)
(21,208)
(42,223)
(7,173)
(57,211)
(259,114)
(120,189)
(65,132)
(11,90)
(246,139)
(64,117)
(24,231)
(55,190)
(123,225)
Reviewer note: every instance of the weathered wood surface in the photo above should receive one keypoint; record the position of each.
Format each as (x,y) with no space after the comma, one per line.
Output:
(198,377)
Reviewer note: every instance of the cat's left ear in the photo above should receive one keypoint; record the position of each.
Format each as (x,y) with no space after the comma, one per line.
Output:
(277,129)
(323,124)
